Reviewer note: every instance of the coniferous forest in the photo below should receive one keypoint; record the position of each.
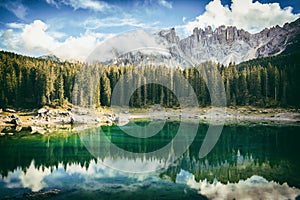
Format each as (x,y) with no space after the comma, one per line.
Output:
(27,82)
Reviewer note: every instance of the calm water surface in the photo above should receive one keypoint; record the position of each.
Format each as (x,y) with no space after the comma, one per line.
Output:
(61,165)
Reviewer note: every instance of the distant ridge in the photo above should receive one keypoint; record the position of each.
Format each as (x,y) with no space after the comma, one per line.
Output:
(222,45)
(50,57)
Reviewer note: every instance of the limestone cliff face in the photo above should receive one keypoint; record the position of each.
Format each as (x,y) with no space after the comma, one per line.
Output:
(224,44)
(229,44)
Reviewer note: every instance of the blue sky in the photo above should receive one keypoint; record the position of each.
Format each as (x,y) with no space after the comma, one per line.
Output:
(37,27)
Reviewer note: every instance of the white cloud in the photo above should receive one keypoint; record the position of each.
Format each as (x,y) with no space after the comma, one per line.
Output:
(244,14)
(53,2)
(33,178)
(9,40)
(16,7)
(36,39)
(165,3)
(15,25)
(78,48)
(255,187)
(93,23)
(57,35)
(84,4)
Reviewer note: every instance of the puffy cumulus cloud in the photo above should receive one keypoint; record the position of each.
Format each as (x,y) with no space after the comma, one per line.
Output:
(35,39)
(31,39)
(245,14)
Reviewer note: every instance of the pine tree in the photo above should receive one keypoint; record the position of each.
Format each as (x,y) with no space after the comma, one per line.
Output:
(61,90)
(105,95)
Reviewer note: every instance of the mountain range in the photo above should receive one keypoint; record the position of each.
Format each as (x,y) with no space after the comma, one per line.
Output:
(228,44)
(224,44)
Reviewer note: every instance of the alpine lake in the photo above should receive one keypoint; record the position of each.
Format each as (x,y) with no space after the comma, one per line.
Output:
(249,158)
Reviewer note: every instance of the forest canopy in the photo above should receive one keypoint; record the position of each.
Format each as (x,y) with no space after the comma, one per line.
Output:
(27,82)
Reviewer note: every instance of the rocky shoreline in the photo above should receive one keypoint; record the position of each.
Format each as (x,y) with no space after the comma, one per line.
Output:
(42,120)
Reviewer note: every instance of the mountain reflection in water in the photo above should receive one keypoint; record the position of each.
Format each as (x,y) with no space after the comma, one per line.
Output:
(62,161)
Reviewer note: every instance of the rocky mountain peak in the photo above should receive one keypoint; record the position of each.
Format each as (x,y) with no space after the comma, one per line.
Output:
(224,44)
(228,44)
(169,35)
(50,57)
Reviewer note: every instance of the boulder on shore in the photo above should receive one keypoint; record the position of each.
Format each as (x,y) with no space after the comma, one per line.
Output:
(10,110)
(14,119)
(64,113)
(81,119)
(42,111)
(36,129)
(79,111)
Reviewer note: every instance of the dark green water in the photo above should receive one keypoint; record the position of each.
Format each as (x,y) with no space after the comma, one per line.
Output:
(37,164)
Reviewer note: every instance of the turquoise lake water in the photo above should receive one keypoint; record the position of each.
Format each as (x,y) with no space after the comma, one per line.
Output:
(81,164)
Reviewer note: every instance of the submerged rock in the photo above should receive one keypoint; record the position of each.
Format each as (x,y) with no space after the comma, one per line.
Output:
(18,128)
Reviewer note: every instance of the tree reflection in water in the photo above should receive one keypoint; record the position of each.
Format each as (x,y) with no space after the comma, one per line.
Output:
(62,159)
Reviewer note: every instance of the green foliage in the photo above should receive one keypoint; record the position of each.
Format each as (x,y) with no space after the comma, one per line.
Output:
(27,82)
(279,80)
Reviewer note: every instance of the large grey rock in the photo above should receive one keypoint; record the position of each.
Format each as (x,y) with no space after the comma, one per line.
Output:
(14,119)
(81,119)
(10,110)
(37,129)
(79,111)
(42,112)
(64,113)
